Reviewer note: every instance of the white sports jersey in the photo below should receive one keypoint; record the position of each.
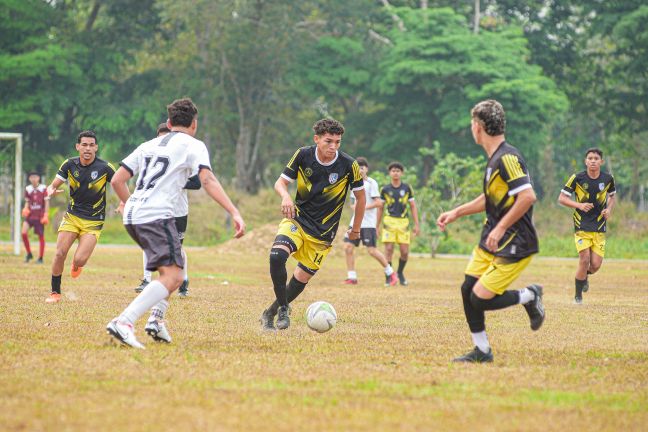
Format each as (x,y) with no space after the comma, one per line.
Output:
(372,191)
(164,164)
(182,209)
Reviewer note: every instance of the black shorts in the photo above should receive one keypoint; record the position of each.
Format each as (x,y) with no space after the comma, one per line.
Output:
(181,226)
(368,237)
(39,229)
(160,241)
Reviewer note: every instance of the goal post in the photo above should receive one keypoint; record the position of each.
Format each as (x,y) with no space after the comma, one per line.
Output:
(16,217)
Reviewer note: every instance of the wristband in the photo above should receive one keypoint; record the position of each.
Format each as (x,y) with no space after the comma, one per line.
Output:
(358,232)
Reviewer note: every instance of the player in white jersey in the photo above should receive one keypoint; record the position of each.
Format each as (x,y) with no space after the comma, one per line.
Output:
(368,227)
(164,165)
(181,219)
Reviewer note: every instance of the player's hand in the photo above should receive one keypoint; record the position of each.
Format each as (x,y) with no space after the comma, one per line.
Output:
(239,226)
(288,207)
(446,218)
(120,208)
(416,230)
(353,235)
(586,207)
(44,220)
(493,239)
(25,212)
(606,213)
(51,191)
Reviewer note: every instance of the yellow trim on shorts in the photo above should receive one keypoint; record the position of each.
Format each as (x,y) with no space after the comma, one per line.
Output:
(395,230)
(594,240)
(494,273)
(80,226)
(310,250)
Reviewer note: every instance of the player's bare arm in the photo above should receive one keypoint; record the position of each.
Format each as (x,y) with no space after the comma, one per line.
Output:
(607,212)
(53,188)
(477,205)
(287,204)
(375,203)
(118,183)
(361,198)
(379,215)
(215,190)
(414,209)
(523,202)
(566,201)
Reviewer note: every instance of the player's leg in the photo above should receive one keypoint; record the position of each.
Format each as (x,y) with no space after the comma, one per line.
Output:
(370,240)
(87,243)
(39,229)
(596,261)
(183,291)
(581,274)
(352,276)
(402,261)
(25,238)
(389,253)
(146,275)
(64,242)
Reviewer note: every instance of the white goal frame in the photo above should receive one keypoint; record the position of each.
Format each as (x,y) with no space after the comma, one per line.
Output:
(18,137)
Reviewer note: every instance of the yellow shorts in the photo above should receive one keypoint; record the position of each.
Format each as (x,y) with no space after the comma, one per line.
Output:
(395,230)
(77,225)
(494,273)
(310,251)
(595,240)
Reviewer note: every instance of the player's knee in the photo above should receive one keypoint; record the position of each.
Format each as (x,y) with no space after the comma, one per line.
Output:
(278,258)
(348,248)
(60,255)
(478,303)
(594,267)
(467,286)
(404,255)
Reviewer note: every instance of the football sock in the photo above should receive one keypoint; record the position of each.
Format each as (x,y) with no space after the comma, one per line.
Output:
(56,284)
(41,245)
(185,270)
(504,300)
(474,317)
(389,270)
(152,295)
(25,238)
(159,310)
(278,258)
(526,295)
(352,275)
(480,339)
(293,290)
(579,287)
(401,266)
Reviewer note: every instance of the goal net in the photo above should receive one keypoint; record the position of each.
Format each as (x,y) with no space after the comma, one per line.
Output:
(11,187)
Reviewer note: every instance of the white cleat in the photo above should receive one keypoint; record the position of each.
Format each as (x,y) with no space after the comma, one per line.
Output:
(124,333)
(158,331)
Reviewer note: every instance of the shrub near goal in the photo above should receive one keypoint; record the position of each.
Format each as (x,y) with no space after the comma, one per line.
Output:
(321,316)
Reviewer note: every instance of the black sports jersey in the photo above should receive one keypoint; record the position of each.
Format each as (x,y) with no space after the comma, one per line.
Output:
(506,176)
(397,199)
(589,190)
(321,190)
(87,187)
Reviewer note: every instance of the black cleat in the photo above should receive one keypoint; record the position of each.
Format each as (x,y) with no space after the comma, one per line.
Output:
(283,318)
(578,300)
(39,260)
(475,356)
(267,320)
(29,257)
(535,308)
(402,280)
(183,291)
(586,286)
(141,287)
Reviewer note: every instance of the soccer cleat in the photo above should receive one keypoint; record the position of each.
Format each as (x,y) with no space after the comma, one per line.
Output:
(586,286)
(578,300)
(392,280)
(535,308)
(141,286)
(183,291)
(39,260)
(283,318)
(267,320)
(75,271)
(29,257)
(402,280)
(53,298)
(350,281)
(124,333)
(475,356)
(158,331)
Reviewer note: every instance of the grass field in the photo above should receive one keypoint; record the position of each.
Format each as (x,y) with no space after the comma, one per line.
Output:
(385,366)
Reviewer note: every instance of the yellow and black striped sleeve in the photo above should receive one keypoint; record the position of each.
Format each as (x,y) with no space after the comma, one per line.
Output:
(568,189)
(110,171)
(513,170)
(292,167)
(410,191)
(62,172)
(357,183)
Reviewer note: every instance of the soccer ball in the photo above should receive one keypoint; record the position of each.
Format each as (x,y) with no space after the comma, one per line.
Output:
(321,316)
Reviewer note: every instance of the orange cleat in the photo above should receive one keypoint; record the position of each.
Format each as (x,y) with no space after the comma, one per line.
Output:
(53,298)
(350,281)
(75,271)
(391,280)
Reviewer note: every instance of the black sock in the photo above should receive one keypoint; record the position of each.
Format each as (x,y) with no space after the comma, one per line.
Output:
(579,287)
(401,266)
(278,258)
(475,318)
(504,300)
(293,290)
(56,284)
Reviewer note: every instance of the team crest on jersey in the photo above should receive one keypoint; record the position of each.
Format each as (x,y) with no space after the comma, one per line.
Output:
(293,228)
(585,186)
(94,174)
(76,173)
(402,193)
(308,172)
(333,178)
(601,186)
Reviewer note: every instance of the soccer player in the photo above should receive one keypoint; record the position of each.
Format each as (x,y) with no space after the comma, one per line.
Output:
(181,215)
(397,195)
(508,239)
(323,176)
(368,229)
(35,212)
(87,176)
(595,198)
(163,164)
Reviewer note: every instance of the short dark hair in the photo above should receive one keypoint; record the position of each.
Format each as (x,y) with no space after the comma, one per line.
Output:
(87,134)
(182,112)
(31,173)
(397,165)
(362,161)
(490,114)
(596,150)
(162,127)
(328,125)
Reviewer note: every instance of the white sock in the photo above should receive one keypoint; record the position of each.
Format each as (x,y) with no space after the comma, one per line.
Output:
(185,270)
(159,310)
(147,274)
(352,274)
(389,270)
(526,295)
(152,295)
(481,341)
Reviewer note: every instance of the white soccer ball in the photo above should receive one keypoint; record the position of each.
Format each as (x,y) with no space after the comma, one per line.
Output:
(321,316)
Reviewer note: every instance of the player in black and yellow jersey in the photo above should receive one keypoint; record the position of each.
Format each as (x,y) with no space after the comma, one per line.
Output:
(508,239)
(87,177)
(324,175)
(594,200)
(398,197)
